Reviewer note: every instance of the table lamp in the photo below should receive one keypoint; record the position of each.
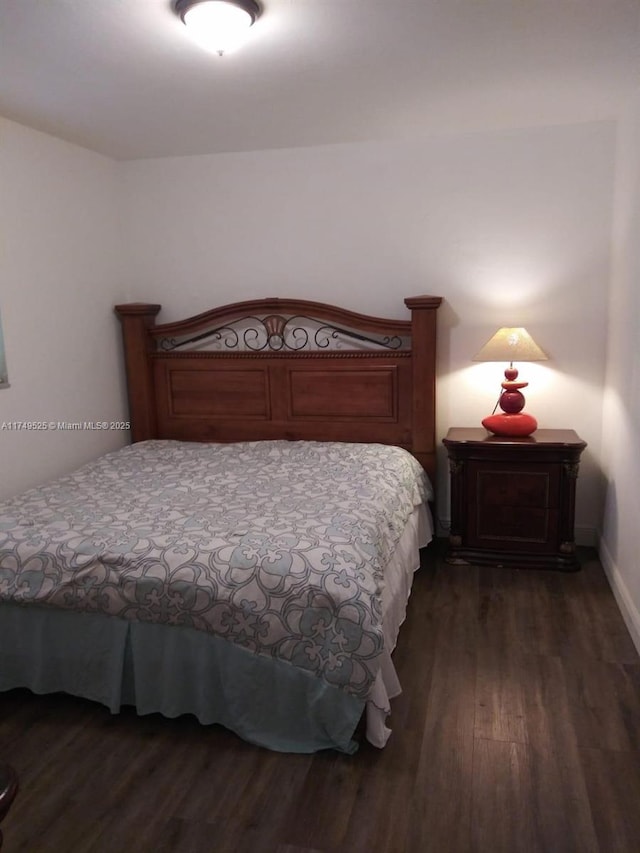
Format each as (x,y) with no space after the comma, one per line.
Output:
(511,344)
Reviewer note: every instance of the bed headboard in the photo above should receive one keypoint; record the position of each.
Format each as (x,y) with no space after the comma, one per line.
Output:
(284,368)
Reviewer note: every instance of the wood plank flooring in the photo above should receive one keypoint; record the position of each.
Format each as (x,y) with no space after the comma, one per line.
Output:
(518,730)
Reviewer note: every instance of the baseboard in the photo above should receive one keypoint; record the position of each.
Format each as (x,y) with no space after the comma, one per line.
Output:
(443,526)
(586,536)
(630,612)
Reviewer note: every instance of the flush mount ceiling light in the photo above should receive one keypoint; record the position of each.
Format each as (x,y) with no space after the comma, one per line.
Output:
(218,25)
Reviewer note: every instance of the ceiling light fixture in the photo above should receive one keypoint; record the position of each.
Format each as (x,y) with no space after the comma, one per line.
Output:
(218,25)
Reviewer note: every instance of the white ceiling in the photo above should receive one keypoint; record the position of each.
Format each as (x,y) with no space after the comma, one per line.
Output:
(122,77)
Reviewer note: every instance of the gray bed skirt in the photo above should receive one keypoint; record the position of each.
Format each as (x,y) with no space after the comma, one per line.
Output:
(173,671)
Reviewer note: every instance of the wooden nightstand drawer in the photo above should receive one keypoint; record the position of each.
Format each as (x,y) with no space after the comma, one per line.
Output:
(520,525)
(512,499)
(513,503)
(500,484)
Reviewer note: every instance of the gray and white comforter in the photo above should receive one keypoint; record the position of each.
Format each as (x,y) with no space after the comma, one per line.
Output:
(276,546)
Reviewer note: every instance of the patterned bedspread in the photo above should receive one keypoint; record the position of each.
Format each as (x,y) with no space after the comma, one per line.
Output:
(276,546)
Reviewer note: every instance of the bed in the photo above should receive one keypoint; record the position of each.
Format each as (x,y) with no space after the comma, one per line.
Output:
(248,558)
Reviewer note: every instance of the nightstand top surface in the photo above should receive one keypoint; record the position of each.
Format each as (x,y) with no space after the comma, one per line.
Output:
(546,437)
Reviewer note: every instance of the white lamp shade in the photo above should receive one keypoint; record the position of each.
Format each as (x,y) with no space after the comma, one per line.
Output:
(511,344)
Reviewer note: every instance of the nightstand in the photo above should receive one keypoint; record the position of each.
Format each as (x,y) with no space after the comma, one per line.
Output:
(513,499)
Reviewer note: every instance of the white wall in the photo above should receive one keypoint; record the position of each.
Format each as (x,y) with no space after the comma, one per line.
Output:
(511,228)
(620,542)
(60,275)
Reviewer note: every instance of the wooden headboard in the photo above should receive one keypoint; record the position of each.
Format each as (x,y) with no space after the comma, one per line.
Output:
(284,368)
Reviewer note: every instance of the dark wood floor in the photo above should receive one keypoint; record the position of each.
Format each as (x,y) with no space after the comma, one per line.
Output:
(518,730)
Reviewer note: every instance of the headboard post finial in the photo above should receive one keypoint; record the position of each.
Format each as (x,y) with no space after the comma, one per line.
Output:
(423,345)
(136,319)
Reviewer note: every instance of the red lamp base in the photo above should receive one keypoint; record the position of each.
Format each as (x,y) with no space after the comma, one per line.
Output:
(519,424)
